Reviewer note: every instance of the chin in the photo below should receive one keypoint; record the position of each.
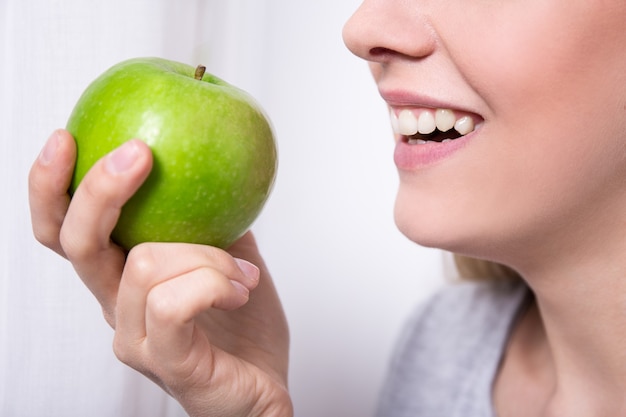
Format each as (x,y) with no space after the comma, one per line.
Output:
(427,233)
(426,228)
(451,224)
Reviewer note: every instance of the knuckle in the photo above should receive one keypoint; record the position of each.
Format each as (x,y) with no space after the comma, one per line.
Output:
(121,351)
(142,264)
(91,189)
(164,306)
(47,236)
(125,352)
(74,246)
(131,355)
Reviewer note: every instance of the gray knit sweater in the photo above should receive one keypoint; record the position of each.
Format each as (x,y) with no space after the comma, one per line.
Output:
(448,355)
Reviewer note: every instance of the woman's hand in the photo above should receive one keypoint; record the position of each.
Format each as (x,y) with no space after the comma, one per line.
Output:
(184,315)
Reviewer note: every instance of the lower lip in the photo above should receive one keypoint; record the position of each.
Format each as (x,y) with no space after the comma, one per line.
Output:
(414,157)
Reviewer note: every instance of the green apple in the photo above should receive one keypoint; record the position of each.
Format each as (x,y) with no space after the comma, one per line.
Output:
(214,150)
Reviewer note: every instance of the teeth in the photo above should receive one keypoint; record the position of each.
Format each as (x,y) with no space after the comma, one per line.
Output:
(395,126)
(445,119)
(464,125)
(426,123)
(407,124)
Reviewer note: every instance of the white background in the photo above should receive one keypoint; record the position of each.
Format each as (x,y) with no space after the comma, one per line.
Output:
(346,276)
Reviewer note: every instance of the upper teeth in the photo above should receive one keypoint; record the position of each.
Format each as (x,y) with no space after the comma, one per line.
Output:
(407,124)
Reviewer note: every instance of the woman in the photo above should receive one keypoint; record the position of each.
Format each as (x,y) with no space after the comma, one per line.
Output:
(534,186)
(510,129)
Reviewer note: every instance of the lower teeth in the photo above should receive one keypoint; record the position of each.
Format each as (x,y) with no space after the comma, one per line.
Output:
(422,141)
(415,141)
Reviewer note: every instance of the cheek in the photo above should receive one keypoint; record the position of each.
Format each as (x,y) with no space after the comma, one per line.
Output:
(539,55)
(557,95)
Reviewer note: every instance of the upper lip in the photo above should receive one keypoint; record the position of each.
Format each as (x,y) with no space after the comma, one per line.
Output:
(403,99)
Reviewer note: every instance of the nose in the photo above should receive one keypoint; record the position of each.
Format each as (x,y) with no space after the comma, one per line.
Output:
(381,30)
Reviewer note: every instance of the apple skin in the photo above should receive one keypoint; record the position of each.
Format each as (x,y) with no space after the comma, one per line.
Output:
(215,157)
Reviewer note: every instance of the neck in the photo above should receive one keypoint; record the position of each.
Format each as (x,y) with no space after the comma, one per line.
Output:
(577,272)
(582,310)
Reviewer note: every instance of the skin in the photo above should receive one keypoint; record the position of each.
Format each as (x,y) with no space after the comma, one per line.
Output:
(540,184)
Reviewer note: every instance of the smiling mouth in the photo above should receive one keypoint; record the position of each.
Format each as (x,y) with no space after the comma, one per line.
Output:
(419,127)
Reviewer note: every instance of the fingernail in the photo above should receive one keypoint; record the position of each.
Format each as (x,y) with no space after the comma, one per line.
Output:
(49,150)
(123,158)
(250,270)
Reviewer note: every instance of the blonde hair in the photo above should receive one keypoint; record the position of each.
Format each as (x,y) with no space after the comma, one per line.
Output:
(481,270)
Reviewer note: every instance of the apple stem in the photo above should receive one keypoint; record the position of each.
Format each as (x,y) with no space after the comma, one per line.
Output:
(200,69)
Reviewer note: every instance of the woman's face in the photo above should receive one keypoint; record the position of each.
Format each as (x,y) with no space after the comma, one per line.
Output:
(542,83)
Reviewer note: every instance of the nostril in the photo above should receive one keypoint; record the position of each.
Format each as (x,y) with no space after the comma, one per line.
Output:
(379,51)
